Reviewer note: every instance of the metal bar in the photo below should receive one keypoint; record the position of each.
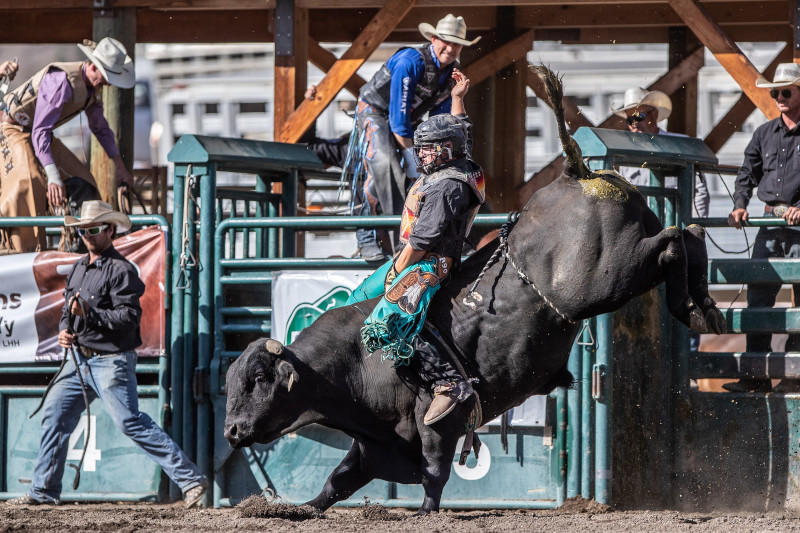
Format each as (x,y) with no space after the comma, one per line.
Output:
(758,365)
(587,418)
(205,322)
(247,311)
(265,328)
(289,202)
(763,320)
(3,484)
(94,497)
(561,446)
(54,222)
(753,271)
(295,262)
(339,222)
(603,411)
(573,436)
(719,222)
(141,368)
(177,333)
(190,323)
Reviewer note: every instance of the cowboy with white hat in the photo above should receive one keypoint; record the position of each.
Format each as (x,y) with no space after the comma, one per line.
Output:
(95,213)
(772,164)
(413,82)
(36,168)
(643,109)
(99,331)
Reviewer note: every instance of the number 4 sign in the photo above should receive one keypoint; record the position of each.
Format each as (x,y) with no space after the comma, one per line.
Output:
(92,453)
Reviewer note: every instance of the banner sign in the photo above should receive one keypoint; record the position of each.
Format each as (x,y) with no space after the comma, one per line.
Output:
(300,297)
(32,298)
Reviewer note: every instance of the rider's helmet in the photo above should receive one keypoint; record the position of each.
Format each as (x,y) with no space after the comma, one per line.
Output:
(444,136)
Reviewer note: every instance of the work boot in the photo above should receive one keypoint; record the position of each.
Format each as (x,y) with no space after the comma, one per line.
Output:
(372,252)
(749,385)
(194,495)
(27,499)
(787,386)
(445,399)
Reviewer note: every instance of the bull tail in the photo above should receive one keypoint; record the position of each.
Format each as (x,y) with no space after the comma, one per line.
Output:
(555,93)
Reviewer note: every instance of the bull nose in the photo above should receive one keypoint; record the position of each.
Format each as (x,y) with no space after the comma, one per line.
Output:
(232,434)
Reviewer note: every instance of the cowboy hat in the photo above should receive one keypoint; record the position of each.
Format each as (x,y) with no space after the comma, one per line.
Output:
(97,212)
(451,29)
(112,60)
(638,97)
(786,74)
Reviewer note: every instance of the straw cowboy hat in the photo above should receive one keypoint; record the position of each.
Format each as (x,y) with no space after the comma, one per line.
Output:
(638,97)
(97,212)
(451,29)
(786,74)
(112,60)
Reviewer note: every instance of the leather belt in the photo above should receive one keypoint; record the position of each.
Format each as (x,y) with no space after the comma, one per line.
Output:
(778,209)
(88,353)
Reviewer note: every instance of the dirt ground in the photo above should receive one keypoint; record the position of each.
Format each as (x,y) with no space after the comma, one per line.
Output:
(255,514)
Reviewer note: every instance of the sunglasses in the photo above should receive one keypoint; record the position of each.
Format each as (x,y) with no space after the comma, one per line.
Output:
(786,93)
(636,117)
(92,231)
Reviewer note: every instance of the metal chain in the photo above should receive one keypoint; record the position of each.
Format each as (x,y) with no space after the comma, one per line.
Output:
(187,260)
(503,250)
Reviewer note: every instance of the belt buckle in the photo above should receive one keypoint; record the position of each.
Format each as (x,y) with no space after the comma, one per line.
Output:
(779,210)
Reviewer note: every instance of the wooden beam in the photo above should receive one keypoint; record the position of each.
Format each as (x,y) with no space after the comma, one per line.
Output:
(117,103)
(726,51)
(684,100)
(366,43)
(291,69)
(646,15)
(324,60)
(743,108)
(499,58)
(572,113)
(668,83)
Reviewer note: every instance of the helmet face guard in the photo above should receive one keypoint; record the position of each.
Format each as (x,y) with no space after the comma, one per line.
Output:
(437,154)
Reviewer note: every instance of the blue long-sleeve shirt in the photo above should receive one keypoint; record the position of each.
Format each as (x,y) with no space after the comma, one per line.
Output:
(407,67)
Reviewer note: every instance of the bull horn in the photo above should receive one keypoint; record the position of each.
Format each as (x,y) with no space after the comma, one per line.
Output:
(274,347)
(291,382)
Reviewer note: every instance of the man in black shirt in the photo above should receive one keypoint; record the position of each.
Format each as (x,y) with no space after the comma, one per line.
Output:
(772,164)
(100,321)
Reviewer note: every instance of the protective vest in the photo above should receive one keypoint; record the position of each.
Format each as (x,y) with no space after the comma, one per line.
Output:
(469,172)
(427,93)
(20,103)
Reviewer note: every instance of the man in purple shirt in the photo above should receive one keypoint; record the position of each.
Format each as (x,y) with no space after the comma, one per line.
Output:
(37,168)
(380,161)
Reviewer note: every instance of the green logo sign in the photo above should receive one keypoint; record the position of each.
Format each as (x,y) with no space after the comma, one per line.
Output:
(306,313)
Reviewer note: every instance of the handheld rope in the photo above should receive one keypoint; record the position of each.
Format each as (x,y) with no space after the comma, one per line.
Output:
(71,351)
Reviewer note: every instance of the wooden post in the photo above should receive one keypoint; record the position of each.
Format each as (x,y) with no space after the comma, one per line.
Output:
(684,99)
(291,60)
(119,23)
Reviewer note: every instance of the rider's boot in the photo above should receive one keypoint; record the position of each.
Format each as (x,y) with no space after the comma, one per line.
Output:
(449,386)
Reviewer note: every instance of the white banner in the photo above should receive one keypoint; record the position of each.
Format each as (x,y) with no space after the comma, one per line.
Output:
(299,297)
(19,298)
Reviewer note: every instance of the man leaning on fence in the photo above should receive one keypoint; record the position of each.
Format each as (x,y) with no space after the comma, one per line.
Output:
(100,327)
(36,168)
(772,164)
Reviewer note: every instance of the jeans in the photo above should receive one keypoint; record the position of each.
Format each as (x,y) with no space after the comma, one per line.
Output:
(112,378)
(772,242)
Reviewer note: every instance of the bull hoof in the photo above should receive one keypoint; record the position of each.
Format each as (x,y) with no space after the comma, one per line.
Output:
(716,321)
(697,322)
(274,347)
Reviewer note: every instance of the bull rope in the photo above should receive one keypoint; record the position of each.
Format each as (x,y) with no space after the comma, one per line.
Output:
(504,251)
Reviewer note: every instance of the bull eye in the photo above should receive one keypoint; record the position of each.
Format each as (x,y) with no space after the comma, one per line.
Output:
(260,378)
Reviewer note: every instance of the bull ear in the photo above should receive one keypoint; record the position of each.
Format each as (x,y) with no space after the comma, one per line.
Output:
(287,374)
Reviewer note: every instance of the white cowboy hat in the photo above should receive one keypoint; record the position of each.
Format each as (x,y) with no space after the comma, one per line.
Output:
(786,74)
(638,97)
(451,29)
(97,212)
(112,60)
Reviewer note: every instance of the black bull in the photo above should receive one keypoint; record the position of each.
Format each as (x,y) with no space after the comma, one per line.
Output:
(587,242)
